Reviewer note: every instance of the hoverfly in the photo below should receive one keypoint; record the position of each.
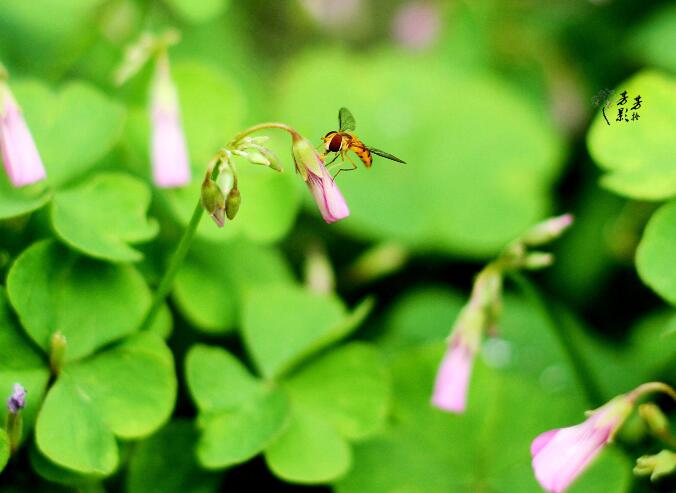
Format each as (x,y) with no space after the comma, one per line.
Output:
(342,141)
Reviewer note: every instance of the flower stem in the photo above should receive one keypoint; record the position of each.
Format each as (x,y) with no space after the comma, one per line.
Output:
(261,126)
(177,259)
(580,367)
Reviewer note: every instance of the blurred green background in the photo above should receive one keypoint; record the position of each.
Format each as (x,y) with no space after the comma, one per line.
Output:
(491,105)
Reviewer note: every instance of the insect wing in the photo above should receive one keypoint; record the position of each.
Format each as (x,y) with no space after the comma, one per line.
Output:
(346,120)
(385,155)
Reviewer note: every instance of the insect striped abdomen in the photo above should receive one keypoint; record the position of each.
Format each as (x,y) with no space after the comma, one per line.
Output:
(362,152)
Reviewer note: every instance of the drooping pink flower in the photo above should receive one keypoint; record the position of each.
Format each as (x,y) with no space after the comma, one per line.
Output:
(450,388)
(330,201)
(169,151)
(561,455)
(20,156)
(321,184)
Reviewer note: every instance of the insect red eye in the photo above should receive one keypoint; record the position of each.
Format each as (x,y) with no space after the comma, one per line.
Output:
(335,144)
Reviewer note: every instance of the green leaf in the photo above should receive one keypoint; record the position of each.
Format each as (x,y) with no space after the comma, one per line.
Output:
(102,216)
(20,362)
(639,156)
(56,474)
(46,35)
(421,315)
(453,183)
(4,449)
(73,129)
(212,105)
(132,385)
(197,11)
(233,437)
(309,451)
(655,35)
(212,281)
(90,302)
(656,254)
(164,463)
(127,391)
(487,448)
(18,201)
(71,434)
(217,380)
(283,324)
(239,415)
(347,387)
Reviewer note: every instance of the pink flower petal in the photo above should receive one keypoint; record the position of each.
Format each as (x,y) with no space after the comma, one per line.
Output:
(330,201)
(19,153)
(450,389)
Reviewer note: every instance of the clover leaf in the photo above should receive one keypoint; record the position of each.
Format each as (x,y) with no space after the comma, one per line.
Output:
(113,383)
(283,324)
(103,215)
(54,289)
(162,463)
(304,430)
(212,283)
(656,257)
(73,128)
(639,156)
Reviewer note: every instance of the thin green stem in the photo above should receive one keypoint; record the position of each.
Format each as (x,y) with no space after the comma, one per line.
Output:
(261,126)
(581,368)
(177,259)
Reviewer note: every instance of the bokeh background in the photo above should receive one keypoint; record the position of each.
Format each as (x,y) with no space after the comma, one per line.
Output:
(491,103)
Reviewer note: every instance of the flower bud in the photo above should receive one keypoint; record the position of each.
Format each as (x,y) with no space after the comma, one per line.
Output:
(213,200)
(657,466)
(547,230)
(57,353)
(306,157)
(232,203)
(654,418)
(537,260)
(17,401)
(169,151)
(19,154)
(311,167)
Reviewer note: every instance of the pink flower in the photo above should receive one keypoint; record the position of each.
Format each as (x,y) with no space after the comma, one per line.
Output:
(330,201)
(169,152)
(450,388)
(310,165)
(561,455)
(19,154)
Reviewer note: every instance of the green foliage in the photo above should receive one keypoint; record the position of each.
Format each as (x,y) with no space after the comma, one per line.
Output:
(73,128)
(294,324)
(52,289)
(520,388)
(488,115)
(655,258)
(164,464)
(4,449)
(197,11)
(127,391)
(304,430)
(638,156)
(212,283)
(102,216)
(447,197)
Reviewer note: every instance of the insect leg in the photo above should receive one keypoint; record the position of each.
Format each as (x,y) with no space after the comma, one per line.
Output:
(354,166)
